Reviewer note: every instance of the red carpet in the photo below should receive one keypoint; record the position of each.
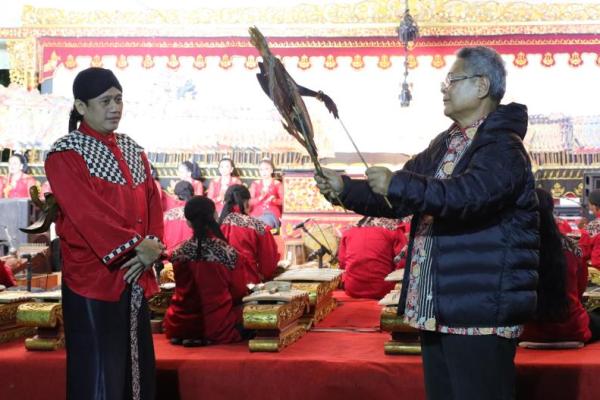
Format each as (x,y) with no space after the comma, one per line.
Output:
(322,365)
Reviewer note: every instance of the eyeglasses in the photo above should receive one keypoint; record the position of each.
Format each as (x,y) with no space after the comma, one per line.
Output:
(451,79)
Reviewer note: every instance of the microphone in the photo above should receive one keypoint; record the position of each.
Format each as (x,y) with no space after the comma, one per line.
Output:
(301,224)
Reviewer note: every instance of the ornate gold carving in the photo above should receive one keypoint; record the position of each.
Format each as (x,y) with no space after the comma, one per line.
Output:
(159,303)
(8,311)
(199,62)
(148,61)
(412,61)
(96,61)
(575,59)
(579,189)
(122,61)
(357,62)
(70,63)
(438,61)
(23,62)
(384,61)
(520,60)
(274,316)
(330,62)
(251,62)
(39,314)
(392,347)
(548,59)
(304,62)
(225,61)
(173,62)
(275,344)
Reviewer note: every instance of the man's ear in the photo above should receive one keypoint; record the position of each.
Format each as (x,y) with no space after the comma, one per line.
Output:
(483,87)
(80,106)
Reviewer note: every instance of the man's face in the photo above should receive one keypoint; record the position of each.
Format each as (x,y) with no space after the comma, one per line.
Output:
(461,92)
(102,113)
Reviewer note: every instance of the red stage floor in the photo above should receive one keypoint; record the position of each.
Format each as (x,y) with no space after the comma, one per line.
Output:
(322,365)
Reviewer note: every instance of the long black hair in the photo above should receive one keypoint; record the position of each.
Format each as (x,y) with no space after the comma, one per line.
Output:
(184,190)
(193,168)
(200,211)
(552,287)
(234,196)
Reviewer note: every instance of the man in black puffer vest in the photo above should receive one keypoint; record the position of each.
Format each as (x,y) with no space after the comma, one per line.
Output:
(471,273)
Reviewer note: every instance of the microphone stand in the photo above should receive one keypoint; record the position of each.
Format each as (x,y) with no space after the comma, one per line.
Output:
(322,250)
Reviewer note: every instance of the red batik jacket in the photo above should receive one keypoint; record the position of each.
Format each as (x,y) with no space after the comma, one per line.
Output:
(366,253)
(252,238)
(108,204)
(208,294)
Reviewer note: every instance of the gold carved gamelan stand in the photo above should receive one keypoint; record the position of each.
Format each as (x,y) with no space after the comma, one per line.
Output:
(10,329)
(47,320)
(405,339)
(319,283)
(274,318)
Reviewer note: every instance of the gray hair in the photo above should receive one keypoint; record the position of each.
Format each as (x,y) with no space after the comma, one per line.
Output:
(487,62)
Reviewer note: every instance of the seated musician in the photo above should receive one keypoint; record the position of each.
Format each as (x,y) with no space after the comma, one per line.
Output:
(590,234)
(266,196)
(250,236)
(563,275)
(218,186)
(367,252)
(176,227)
(7,279)
(16,184)
(209,275)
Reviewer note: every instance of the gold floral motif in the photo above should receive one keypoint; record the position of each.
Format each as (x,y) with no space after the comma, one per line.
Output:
(122,61)
(384,61)
(225,61)
(438,61)
(148,61)
(520,60)
(23,62)
(557,190)
(40,314)
(96,61)
(304,62)
(277,343)
(71,62)
(575,59)
(274,316)
(548,59)
(173,62)
(251,62)
(199,62)
(357,62)
(330,62)
(412,62)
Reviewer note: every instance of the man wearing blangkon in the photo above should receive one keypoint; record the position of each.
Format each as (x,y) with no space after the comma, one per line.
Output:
(471,276)
(110,224)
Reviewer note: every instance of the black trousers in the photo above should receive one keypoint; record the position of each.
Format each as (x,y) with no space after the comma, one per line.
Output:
(594,324)
(98,348)
(460,367)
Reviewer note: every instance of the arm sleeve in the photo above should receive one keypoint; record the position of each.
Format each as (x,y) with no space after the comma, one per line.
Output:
(155,210)
(254,200)
(268,256)
(496,175)
(99,224)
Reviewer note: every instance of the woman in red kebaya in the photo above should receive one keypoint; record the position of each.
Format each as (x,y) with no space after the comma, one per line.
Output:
(218,186)
(366,253)
(17,183)
(177,229)
(560,315)
(250,236)
(590,234)
(266,196)
(209,276)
